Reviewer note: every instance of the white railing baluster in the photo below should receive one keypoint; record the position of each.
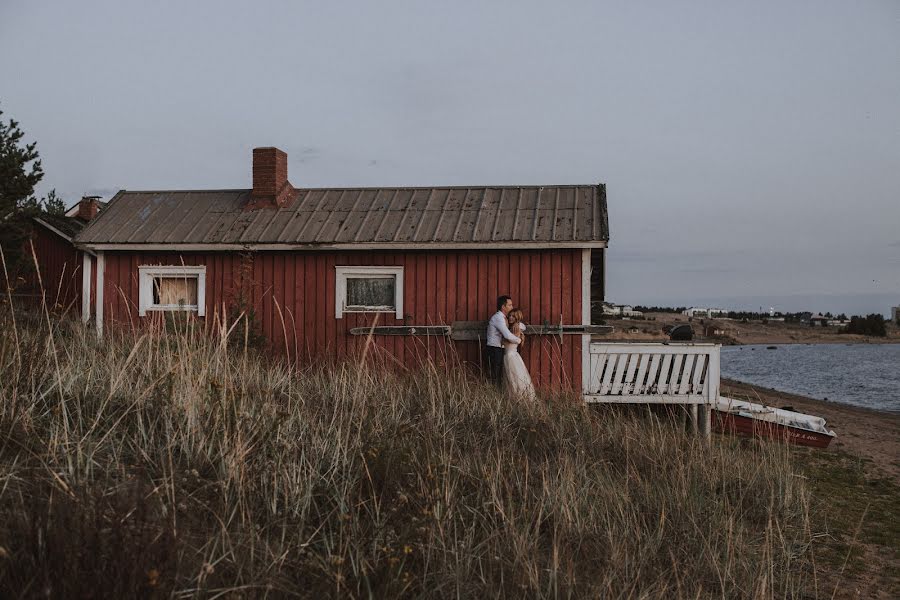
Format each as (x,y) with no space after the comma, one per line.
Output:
(629,386)
(676,373)
(663,386)
(639,386)
(699,368)
(620,374)
(653,375)
(686,373)
(596,367)
(608,373)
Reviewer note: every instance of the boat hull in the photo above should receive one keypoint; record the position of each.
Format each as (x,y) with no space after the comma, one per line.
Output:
(736,424)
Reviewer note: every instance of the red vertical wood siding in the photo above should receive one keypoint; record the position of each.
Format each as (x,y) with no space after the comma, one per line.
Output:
(440,287)
(60,270)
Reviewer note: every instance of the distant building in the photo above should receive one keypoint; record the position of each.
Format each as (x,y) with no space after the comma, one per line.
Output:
(716,331)
(895,315)
(621,310)
(705,312)
(818,320)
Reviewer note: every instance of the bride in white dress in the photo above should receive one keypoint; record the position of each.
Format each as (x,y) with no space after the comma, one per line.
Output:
(515,373)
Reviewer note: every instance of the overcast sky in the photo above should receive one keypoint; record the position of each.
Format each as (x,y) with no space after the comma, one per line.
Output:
(751,150)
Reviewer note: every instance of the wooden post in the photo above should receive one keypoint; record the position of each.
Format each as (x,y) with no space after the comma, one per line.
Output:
(693,418)
(706,422)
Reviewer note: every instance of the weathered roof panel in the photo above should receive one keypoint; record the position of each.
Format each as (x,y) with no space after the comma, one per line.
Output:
(446,215)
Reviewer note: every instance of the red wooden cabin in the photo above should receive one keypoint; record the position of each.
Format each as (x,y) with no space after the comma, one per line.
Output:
(316,264)
(57,280)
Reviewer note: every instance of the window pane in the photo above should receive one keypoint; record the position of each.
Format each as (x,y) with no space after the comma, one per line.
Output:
(175,291)
(370,291)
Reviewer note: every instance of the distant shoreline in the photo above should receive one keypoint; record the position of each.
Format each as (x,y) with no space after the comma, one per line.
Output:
(738,333)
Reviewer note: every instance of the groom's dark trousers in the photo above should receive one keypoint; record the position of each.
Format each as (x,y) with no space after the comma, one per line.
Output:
(495,364)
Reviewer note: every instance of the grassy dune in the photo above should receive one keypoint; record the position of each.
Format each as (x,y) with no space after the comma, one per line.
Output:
(183,464)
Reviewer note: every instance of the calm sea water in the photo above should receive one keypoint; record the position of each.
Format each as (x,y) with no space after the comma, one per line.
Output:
(859,374)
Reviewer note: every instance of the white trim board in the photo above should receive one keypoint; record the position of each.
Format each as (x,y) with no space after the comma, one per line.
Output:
(85,287)
(101,271)
(343,246)
(585,319)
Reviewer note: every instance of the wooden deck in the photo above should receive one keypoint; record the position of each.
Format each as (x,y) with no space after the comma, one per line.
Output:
(681,373)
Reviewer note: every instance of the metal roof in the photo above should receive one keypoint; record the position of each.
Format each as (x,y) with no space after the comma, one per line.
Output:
(537,215)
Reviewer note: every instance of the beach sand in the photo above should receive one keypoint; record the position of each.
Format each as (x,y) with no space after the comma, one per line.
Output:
(864,432)
(855,484)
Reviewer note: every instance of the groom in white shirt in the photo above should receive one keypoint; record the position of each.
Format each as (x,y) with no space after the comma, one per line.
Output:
(497,331)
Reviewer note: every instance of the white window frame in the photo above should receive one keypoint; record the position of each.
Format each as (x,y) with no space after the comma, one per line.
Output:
(340,296)
(146,274)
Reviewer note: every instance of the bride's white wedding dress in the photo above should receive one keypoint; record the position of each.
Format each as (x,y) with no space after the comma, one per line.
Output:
(515,374)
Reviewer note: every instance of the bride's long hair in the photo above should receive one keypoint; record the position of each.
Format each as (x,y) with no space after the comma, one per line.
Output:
(515,317)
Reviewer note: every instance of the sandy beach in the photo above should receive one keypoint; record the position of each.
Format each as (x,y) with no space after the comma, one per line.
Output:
(856,490)
(871,434)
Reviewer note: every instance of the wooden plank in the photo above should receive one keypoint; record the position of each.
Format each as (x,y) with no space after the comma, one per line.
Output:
(298,281)
(596,371)
(456,277)
(322,309)
(557,315)
(628,382)
(676,373)
(645,399)
(279,330)
(618,378)
(475,330)
(310,303)
(686,373)
(699,369)
(610,366)
(440,290)
(474,301)
(653,374)
(663,382)
(422,330)
(546,315)
(639,386)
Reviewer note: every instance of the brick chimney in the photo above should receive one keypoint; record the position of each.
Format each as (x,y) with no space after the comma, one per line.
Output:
(271,188)
(88,207)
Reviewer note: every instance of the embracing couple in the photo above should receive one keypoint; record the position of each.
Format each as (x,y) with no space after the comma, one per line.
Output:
(505,335)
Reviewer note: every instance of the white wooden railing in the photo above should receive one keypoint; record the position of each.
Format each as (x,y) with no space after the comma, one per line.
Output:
(673,373)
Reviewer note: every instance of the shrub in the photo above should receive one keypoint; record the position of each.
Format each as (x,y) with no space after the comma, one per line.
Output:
(870,325)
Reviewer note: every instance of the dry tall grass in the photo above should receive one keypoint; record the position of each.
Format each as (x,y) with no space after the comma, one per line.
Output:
(181,464)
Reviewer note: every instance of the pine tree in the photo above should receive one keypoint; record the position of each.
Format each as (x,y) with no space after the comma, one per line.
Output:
(20,172)
(20,168)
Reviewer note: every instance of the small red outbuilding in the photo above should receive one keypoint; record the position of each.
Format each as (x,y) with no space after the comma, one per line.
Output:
(315,265)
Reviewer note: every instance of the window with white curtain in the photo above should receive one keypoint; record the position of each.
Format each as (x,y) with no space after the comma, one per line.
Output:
(172,288)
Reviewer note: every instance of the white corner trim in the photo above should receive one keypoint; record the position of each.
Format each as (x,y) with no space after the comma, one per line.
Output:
(146,273)
(585,319)
(101,270)
(340,294)
(85,287)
